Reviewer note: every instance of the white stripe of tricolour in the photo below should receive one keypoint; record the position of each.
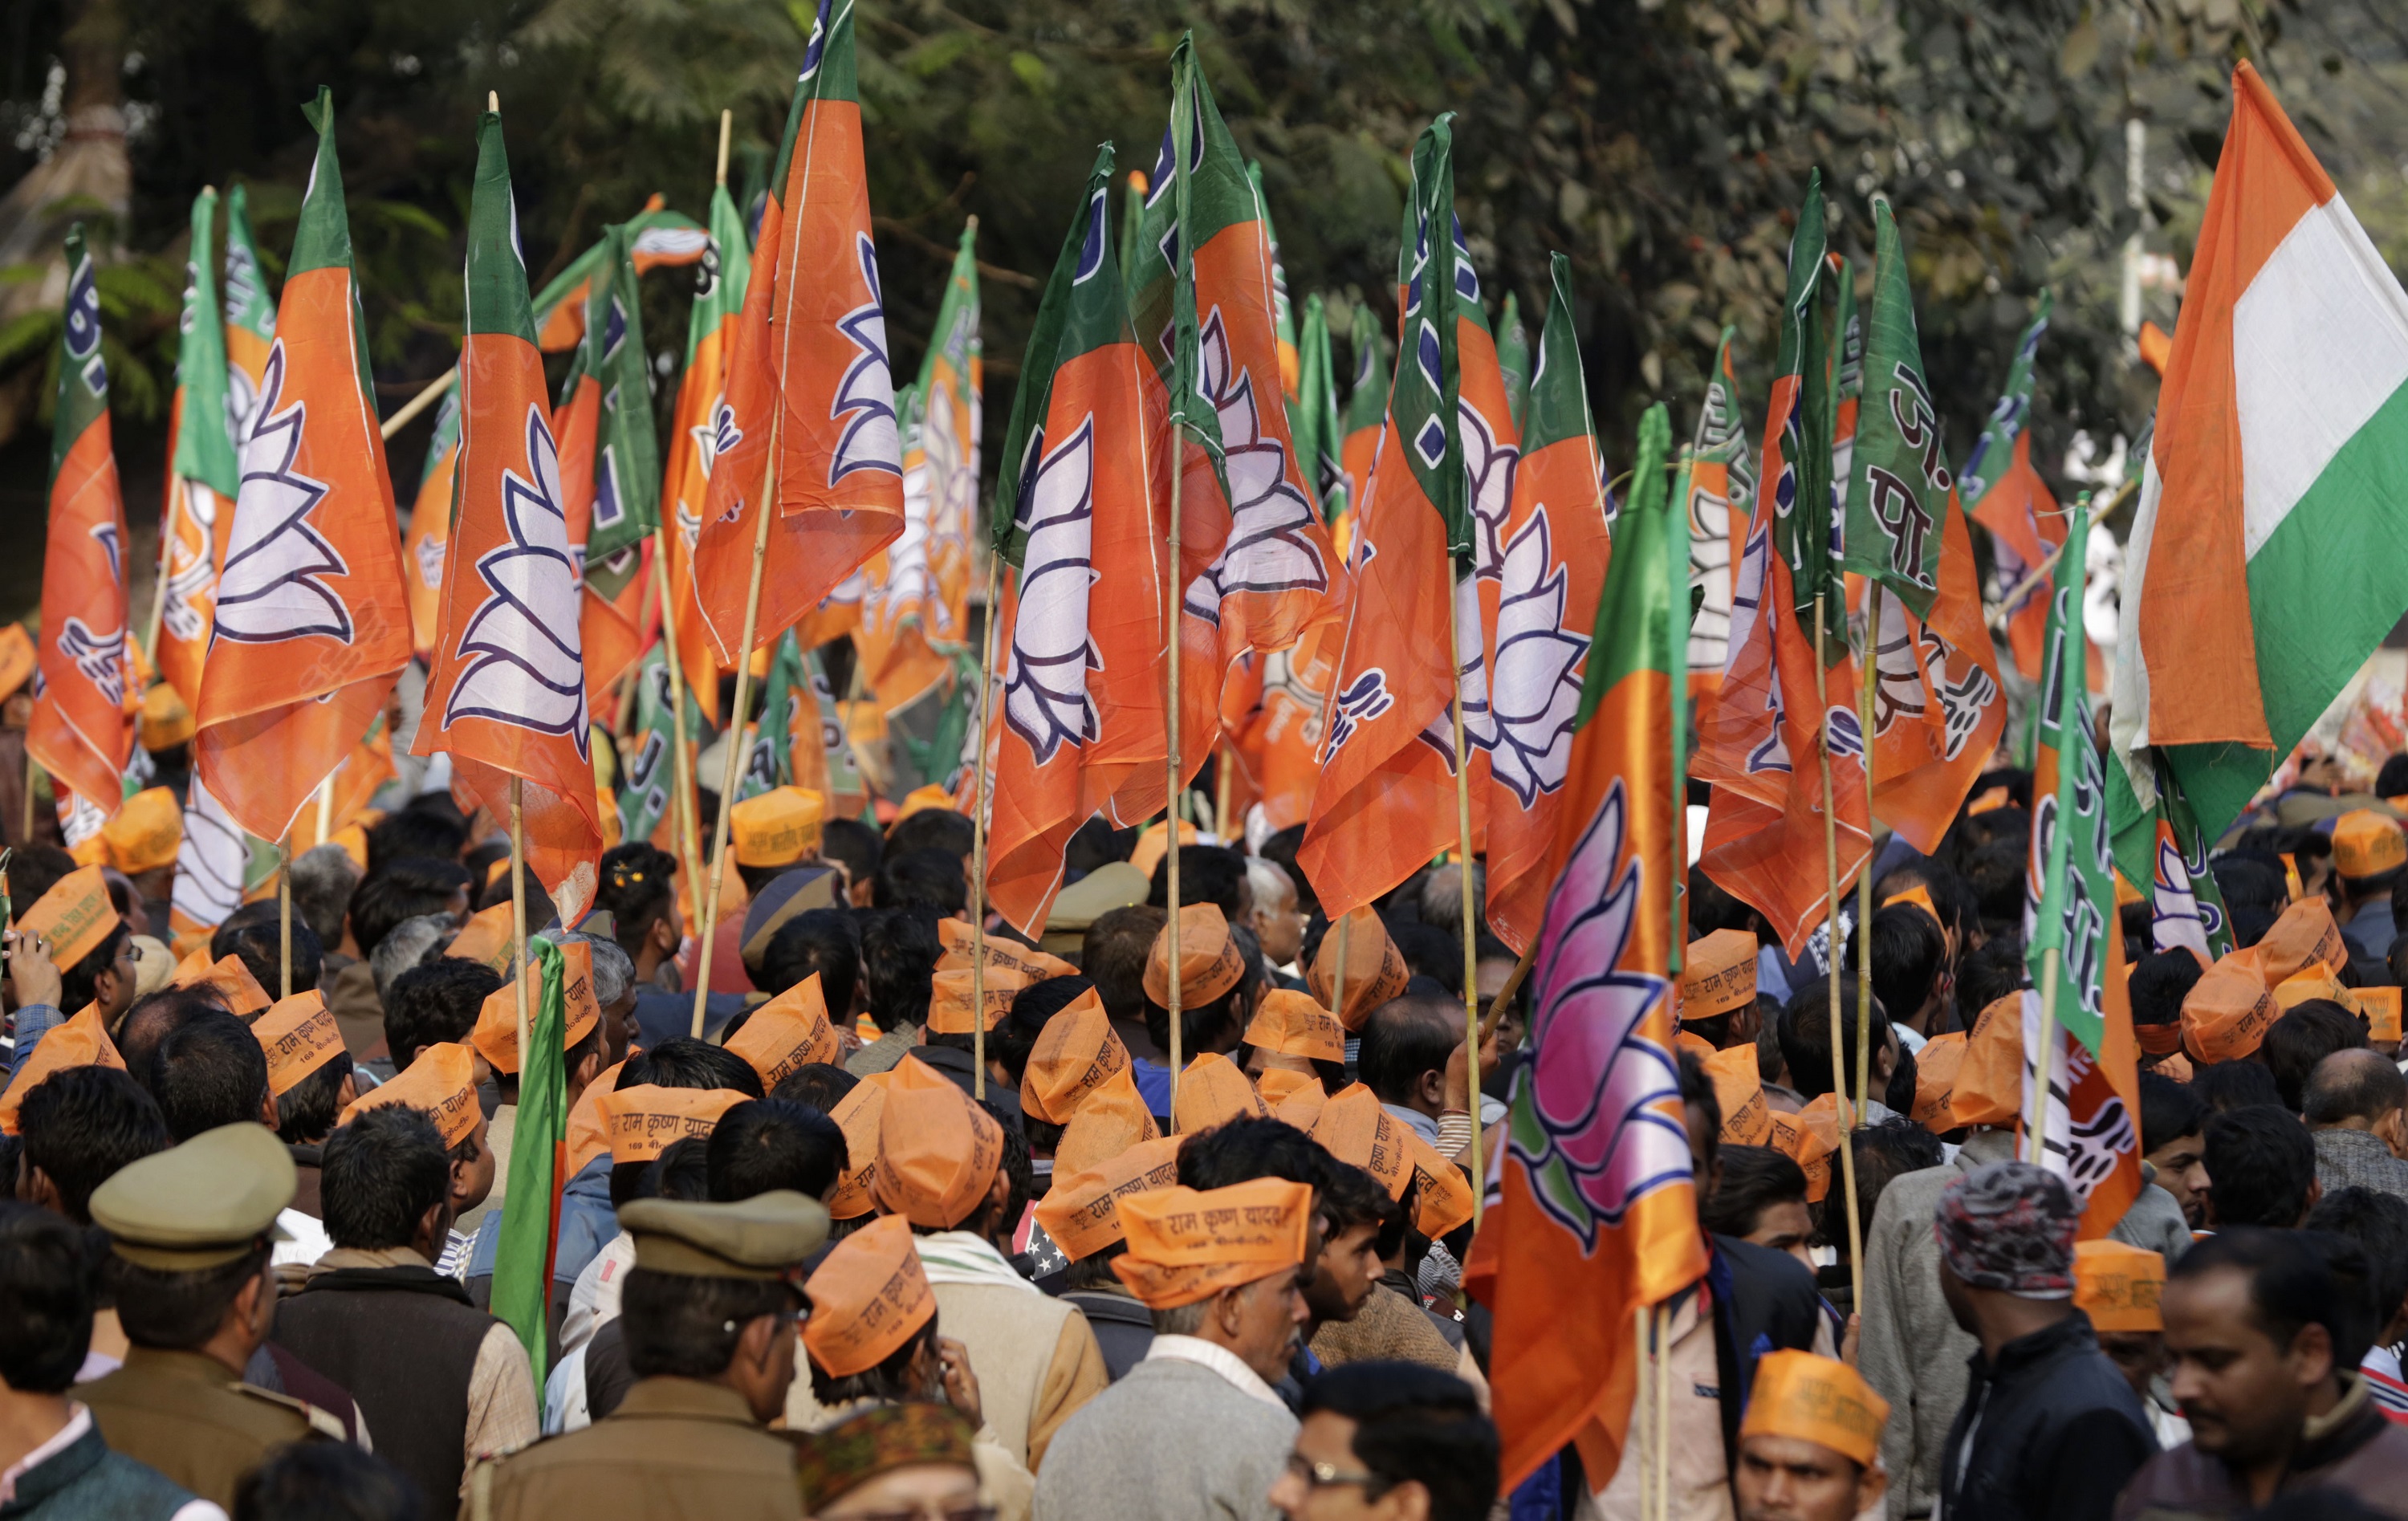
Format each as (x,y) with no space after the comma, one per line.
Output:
(2127,686)
(2319,341)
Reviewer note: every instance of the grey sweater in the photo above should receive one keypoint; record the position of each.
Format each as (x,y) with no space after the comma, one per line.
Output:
(1170,1442)
(1911,1350)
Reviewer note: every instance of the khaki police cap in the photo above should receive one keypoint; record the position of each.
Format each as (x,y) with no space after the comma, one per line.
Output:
(206,1202)
(765,1236)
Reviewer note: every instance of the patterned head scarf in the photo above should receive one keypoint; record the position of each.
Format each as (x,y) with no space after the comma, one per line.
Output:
(2010,1226)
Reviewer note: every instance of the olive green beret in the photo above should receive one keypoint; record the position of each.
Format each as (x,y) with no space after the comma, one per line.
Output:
(206,1202)
(765,1237)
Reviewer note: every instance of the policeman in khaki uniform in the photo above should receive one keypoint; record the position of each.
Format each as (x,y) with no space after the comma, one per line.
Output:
(708,1312)
(189,1231)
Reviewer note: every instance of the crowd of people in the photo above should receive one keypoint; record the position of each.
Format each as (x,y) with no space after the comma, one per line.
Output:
(892,1236)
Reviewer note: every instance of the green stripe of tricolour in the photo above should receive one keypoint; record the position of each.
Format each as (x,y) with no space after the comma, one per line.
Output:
(1082,311)
(322,240)
(497,282)
(247,304)
(1634,610)
(955,336)
(523,1264)
(2325,587)
(827,74)
(83,375)
(1557,405)
(204,445)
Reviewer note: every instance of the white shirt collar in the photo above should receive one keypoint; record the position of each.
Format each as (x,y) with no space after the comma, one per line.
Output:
(78,1422)
(1219,1359)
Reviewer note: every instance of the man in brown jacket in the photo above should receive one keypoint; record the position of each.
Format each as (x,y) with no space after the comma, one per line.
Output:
(709,1314)
(2266,1330)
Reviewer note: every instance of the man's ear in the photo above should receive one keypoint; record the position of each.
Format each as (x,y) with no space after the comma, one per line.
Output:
(667,935)
(41,1191)
(1872,1482)
(267,1115)
(435,1223)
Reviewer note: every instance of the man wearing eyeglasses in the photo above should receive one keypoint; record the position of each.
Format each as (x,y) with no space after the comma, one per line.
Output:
(1395,1441)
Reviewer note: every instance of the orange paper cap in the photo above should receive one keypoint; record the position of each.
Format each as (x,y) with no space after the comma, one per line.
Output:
(485,937)
(81,1041)
(2380,1006)
(1074,1054)
(1353,1128)
(2315,982)
(1212,1092)
(948,999)
(648,1119)
(1920,896)
(2229,1010)
(1154,843)
(1695,1045)
(229,974)
(1719,974)
(1990,1079)
(1276,1083)
(1443,1201)
(2365,843)
(936,1159)
(1111,1119)
(2305,934)
(789,1032)
(1936,1067)
(1818,1399)
(777,828)
(589,1133)
(1375,968)
(497,1035)
(1185,1245)
(1739,1088)
(72,918)
(1301,1107)
(920,799)
(960,942)
(1294,1024)
(299,1035)
(1209,963)
(1810,1144)
(1989,802)
(17,659)
(166,722)
(2117,1285)
(442,1082)
(860,1115)
(148,829)
(1080,1212)
(870,1295)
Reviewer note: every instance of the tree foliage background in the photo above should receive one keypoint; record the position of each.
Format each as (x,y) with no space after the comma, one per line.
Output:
(1662,144)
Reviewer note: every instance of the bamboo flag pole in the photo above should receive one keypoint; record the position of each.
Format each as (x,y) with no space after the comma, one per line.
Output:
(977,829)
(1171,768)
(284,918)
(1864,878)
(1662,1445)
(326,807)
(1838,1040)
(517,910)
(767,508)
(419,403)
(1470,914)
(30,768)
(159,583)
(2045,1065)
(1338,984)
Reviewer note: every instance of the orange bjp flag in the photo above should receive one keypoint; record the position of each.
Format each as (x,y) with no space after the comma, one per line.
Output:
(508,693)
(808,376)
(430,526)
(81,732)
(701,424)
(203,474)
(313,615)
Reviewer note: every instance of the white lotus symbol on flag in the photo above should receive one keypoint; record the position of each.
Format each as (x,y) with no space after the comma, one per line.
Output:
(430,562)
(1538,678)
(1365,698)
(1488,467)
(525,662)
(865,399)
(100,658)
(1045,698)
(1479,724)
(272,588)
(189,576)
(1266,550)
(908,585)
(210,863)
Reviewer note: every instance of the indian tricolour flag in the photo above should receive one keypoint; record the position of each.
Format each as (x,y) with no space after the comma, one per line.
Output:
(2270,553)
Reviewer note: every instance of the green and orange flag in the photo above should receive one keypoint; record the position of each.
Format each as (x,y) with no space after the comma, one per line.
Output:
(522,1291)
(1081,728)
(1318,436)
(203,475)
(609,466)
(430,526)
(250,315)
(701,422)
(1553,564)
(1592,1207)
(1359,438)
(655,238)
(809,379)
(82,730)
(1720,498)
(507,696)
(312,616)
(2007,495)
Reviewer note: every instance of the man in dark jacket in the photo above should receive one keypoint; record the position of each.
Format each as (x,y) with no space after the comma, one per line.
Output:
(2266,1328)
(2049,1429)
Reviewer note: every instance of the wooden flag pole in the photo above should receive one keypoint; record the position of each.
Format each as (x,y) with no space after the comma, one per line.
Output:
(1662,1444)
(1170,608)
(284,918)
(30,768)
(1864,878)
(2044,1067)
(326,807)
(1221,764)
(1338,984)
(727,125)
(419,403)
(1513,981)
(517,910)
(978,830)
(1838,1040)
(681,773)
(1470,914)
(768,507)
(159,585)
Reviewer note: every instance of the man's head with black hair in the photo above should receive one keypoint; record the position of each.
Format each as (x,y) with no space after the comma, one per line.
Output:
(1910,966)
(1114,956)
(2160,982)
(1095,844)
(1419,1433)
(1431,951)
(900,951)
(46,1301)
(435,1004)
(680,1063)
(306,1113)
(2172,1115)
(1994,872)
(322,879)
(1806,1039)
(2247,879)
(260,944)
(1406,1044)
(386,1181)
(153,1015)
(2262,1167)
(768,1143)
(327,1481)
(932,829)
(423,831)
(34,870)
(638,888)
(856,847)
(822,1085)
(928,879)
(1701,1112)
(2258,1324)
(2311,1030)
(404,889)
(207,1073)
(1987,973)
(1214,874)
(822,940)
(104,976)
(78,1126)
(1761,1197)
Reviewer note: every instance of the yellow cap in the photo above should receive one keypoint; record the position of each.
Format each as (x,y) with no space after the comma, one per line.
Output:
(2117,1285)
(777,828)
(1816,1399)
(148,829)
(920,799)
(166,721)
(2365,843)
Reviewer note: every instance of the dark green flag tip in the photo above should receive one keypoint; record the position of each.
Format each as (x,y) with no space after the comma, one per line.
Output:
(321,111)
